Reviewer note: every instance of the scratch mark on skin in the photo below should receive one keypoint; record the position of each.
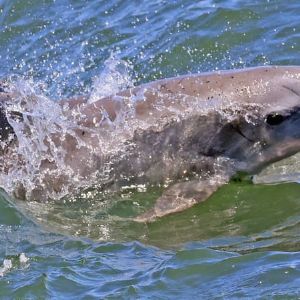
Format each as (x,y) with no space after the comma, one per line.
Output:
(291,89)
(237,128)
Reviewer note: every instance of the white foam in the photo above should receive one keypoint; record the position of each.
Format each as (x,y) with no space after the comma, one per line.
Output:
(6,266)
(23,259)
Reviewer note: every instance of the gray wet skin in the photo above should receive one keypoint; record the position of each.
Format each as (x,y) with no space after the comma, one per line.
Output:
(251,118)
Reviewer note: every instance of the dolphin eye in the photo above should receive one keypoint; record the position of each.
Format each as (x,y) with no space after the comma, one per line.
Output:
(274,119)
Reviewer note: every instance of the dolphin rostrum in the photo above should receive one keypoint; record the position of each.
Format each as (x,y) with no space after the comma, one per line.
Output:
(190,134)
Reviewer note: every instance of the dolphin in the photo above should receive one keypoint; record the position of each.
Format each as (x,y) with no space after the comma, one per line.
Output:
(190,134)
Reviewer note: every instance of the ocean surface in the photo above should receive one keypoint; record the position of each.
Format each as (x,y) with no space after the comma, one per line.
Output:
(244,243)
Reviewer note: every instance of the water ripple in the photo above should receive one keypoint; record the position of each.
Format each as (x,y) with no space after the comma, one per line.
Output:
(248,237)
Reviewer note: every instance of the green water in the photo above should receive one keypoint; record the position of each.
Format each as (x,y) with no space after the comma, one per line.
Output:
(242,243)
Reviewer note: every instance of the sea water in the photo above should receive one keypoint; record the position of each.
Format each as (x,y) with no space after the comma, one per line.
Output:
(242,243)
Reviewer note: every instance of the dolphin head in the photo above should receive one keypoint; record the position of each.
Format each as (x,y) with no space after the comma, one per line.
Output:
(269,136)
(277,134)
(265,126)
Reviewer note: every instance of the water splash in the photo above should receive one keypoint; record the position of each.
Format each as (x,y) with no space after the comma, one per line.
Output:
(9,264)
(115,77)
(38,164)
(39,151)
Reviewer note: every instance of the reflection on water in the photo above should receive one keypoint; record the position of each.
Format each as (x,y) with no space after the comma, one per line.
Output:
(286,170)
(251,217)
